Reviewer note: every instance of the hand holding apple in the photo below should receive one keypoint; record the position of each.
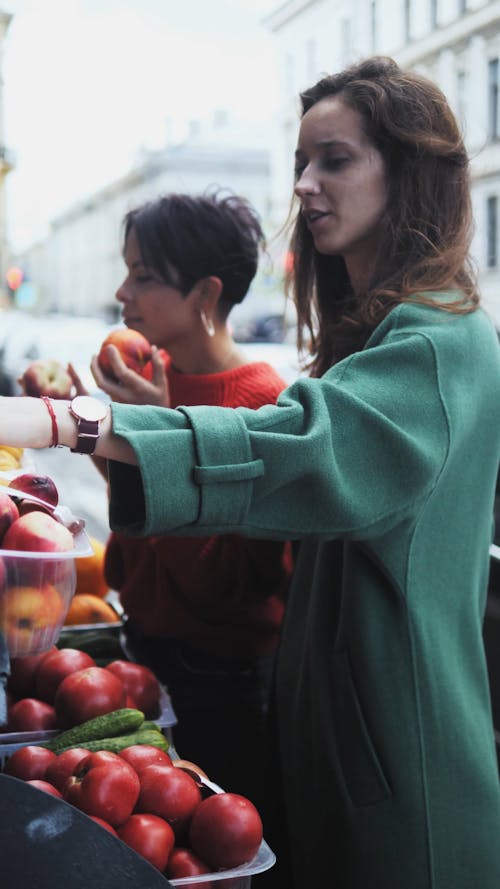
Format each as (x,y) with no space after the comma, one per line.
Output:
(46,376)
(133,348)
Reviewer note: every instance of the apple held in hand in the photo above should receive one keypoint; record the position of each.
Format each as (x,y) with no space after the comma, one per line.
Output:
(46,376)
(134,349)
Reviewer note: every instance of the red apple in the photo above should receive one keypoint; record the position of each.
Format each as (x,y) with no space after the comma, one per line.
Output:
(38,532)
(46,376)
(28,617)
(41,486)
(8,512)
(134,348)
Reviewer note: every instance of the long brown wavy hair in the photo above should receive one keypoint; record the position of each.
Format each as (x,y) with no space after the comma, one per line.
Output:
(427,233)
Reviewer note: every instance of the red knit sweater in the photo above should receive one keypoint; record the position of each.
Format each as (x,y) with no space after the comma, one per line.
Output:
(223,594)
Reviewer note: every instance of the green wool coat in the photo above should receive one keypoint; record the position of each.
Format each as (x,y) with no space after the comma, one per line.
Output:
(385,469)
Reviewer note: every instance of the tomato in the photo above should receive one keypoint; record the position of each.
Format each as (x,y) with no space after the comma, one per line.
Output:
(184,863)
(141,755)
(21,681)
(104,824)
(59,769)
(225,830)
(31,715)
(103,784)
(150,836)
(40,784)
(170,793)
(55,667)
(140,683)
(29,762)
(88,693)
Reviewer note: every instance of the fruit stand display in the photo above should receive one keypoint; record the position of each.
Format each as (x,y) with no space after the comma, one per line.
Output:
(86,759)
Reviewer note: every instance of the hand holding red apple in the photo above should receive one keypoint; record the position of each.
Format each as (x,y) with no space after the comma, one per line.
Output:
(46,376)
(126,378)
(133,348)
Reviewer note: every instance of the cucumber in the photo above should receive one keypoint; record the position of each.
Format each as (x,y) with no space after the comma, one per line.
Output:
(149,724)
(118,722)
(153,737)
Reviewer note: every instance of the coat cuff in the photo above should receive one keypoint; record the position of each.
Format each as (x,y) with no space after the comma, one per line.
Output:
(224,458)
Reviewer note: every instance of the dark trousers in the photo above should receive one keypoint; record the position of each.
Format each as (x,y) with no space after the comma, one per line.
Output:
(226,725)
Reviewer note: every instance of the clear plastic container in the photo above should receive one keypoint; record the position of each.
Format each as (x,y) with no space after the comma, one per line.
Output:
(36,589)
(236,877)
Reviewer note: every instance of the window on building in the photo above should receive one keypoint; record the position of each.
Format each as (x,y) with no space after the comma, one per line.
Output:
(373,25)
(407,19)
(493,72)
(492,232)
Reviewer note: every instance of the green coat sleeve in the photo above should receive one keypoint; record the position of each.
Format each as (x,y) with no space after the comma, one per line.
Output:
(349,454)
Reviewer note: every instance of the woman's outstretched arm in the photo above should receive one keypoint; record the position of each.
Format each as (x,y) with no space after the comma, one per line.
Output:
(26,422)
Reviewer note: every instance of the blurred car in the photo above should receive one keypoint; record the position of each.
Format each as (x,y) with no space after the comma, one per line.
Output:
(261,329)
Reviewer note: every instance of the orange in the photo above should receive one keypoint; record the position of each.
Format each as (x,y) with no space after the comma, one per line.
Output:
(90,571)
(88,609)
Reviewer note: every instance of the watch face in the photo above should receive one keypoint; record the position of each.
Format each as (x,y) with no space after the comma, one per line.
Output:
(88,408)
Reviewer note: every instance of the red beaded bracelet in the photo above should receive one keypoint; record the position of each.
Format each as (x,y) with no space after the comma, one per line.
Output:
(53,418)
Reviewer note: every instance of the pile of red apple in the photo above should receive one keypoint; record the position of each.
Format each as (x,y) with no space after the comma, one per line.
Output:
(34,594)
(160,808)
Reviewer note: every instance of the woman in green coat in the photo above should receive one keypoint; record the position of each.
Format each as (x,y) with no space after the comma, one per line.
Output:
(383,464)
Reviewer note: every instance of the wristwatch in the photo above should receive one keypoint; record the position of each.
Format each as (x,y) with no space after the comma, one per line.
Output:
(88,412)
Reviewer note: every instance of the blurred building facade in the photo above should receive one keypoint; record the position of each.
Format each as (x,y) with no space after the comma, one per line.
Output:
(78,267)
(455,42)
(6,165)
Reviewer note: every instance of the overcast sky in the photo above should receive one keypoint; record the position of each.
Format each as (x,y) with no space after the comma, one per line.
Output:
(88,82)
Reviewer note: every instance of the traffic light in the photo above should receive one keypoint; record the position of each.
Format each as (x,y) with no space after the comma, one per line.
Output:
(14,277)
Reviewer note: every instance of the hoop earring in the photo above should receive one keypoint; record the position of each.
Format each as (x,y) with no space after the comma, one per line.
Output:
(208,324)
